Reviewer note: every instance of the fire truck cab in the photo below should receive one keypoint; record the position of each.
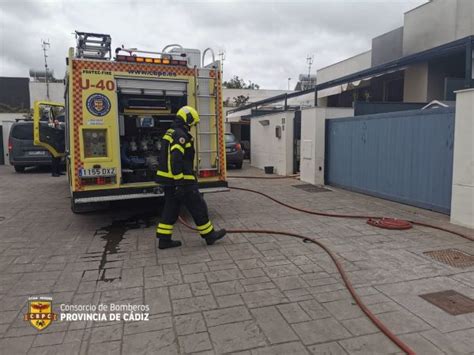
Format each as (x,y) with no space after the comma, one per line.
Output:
(118,107)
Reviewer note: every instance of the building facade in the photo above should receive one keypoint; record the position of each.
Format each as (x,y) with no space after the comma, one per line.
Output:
(233,98)
(428,58)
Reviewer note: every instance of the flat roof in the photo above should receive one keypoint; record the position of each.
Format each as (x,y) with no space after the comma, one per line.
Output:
(344,60)
(444,49)
(416,8)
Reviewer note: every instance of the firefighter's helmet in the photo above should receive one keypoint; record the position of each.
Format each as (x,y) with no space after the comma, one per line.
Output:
(189,115)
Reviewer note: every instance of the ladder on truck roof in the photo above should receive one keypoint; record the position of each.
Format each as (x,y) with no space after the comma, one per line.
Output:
(206,102)
(93,45)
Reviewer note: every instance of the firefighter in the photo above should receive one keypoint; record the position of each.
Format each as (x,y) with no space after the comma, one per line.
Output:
(55,161)
(176,175)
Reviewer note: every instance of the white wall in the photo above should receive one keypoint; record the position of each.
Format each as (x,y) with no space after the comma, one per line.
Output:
(303,101)
(415,84)
(349,66)
(6,126)
(38,92)
(254,95)
(267,149)
(464,18)
(462,201)
(10,117)
(313,124)
(436,23)
(6,120)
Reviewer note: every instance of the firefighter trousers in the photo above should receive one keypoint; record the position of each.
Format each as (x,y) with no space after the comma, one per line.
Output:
(55,166)
(189,196)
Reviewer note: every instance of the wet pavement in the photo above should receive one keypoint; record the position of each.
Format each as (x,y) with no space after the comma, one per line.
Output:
(247,294)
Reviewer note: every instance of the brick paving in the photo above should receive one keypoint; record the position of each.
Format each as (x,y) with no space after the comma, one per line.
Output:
(249,294)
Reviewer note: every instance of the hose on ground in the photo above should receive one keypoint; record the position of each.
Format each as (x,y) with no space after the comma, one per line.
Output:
(421,224)
(390,223)
(382,220)
(264,177)
(383,328)
(299,208)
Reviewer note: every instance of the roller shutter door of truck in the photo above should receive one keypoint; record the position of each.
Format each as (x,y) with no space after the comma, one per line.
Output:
(152,87)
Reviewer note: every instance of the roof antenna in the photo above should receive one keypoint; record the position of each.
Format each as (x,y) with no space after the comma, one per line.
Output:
(309,60)
(45,45)
(221,54)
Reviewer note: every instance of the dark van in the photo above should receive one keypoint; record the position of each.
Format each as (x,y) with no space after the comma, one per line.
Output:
(21,150)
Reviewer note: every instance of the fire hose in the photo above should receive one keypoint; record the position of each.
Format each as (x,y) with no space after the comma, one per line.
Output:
(264,177)
(383,328)
(381,222)
(376,221)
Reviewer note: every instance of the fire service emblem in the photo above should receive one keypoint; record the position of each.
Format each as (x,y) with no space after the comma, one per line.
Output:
(98,104)
(40,312)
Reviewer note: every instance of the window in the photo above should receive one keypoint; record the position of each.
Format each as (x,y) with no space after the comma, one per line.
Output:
(95,143)
(48,113)
(229,138)
(23,131)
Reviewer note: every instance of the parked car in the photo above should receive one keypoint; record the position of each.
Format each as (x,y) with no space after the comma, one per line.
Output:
(233,150)
(21,150)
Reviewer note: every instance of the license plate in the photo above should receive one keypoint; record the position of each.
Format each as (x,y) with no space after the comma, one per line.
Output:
(37,152)
(97,172)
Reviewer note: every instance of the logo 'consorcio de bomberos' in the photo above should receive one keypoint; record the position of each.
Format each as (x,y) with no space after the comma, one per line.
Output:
(98,104)
(40,312)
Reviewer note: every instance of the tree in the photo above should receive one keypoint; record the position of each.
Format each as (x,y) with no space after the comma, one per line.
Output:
(253,86)
(240,100)
(234,83)
(238,83)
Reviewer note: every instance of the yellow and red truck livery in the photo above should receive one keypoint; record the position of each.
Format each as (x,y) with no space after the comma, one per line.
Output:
(116,111)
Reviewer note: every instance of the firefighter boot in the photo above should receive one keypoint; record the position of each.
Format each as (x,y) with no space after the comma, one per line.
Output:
(214,236)
(165,242)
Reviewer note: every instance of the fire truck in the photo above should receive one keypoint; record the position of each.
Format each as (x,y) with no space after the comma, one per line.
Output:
(117,108)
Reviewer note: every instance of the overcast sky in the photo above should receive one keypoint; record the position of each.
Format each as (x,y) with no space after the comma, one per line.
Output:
(265,41)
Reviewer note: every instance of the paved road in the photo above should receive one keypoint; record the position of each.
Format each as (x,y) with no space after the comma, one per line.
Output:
(249,294)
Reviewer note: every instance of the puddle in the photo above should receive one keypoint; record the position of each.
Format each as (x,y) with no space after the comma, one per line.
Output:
(114,234)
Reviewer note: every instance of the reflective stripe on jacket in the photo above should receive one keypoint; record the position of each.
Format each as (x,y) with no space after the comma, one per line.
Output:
(176,158)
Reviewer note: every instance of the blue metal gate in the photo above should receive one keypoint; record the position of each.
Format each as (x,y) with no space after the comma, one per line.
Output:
(401,156)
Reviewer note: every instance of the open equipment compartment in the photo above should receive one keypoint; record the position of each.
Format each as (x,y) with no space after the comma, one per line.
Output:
(146,110)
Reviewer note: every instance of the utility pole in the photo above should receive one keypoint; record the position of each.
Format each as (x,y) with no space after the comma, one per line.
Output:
(45,45)
(221,54)
(289,79)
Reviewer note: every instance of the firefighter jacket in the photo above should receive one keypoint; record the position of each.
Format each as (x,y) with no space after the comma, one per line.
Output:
(176,158)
